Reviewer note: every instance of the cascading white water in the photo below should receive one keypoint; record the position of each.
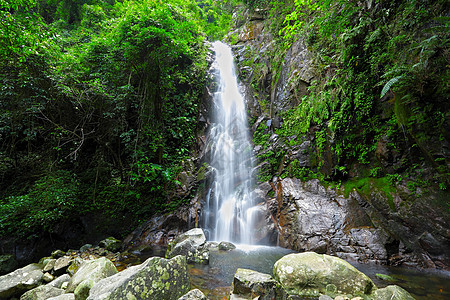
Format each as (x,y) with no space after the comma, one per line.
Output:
(228,209)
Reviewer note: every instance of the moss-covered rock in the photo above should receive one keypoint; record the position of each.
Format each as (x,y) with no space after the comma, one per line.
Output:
(312,274)
(94,270)
(111,244)
(190,244)
(156,278)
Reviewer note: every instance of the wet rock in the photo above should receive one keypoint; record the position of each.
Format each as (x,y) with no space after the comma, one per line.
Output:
(42,292)
(111,244)
(156,278)
(392,292)
(249,284)
(190,244)
(74,266)
(20,281)
(57,282)
(313,218)
(226,246)
(7,263)
(94,270)
(194,295)
(311,274)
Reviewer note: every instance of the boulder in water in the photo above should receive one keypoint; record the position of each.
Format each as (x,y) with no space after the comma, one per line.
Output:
(156,278)
(226,246)
(392,292)
(20,281)
(248,284)
(194,295)
(94,270)
(42,292)
(190,244)
(310,274)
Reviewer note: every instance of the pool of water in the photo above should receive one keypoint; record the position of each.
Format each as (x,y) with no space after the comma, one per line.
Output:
(215,279)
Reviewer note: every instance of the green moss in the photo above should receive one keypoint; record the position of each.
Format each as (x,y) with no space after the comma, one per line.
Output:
(367,186)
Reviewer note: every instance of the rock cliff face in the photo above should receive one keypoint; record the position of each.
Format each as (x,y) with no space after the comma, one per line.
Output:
(361,219)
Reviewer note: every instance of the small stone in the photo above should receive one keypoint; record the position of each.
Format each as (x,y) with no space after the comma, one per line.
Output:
(325,297)
(58,253)
(193,295)
(61,265)
(64,285)
(48,277)
(58,282)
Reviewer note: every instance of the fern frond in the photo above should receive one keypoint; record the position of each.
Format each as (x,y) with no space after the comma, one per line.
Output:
(389,84)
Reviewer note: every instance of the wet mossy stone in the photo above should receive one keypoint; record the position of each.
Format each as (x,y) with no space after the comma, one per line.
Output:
(226,246)
(156,278)
(310,274)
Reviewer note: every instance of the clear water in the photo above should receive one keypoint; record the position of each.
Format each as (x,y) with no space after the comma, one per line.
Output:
(227,215)
(216,278)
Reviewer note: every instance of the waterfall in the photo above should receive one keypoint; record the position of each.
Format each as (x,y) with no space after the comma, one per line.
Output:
(228,209)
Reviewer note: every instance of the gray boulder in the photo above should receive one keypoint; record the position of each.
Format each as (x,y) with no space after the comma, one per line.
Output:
(190,244)
(20,281)
(248,284)
(392,292)
(94,270)
(226,246)
(57,282)
(7,263)
(310,274)
(156,278)
(42,292)
(61,265)
(194,295)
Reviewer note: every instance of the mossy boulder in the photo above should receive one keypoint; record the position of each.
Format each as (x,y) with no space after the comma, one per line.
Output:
(94,270)
(191,244)
(310,274)
(156,278)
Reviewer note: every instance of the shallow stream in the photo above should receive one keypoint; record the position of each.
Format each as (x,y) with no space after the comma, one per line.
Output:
(215,279)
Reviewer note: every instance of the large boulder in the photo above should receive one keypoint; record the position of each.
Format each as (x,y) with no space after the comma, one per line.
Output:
(156,278)
(94,270)
(42,292)
(7,263)
(310,274)
(190,244)
(392,292)
(20,281)
(248,284)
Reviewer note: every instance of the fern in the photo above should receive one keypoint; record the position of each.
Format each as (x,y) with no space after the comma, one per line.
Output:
(389,84)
